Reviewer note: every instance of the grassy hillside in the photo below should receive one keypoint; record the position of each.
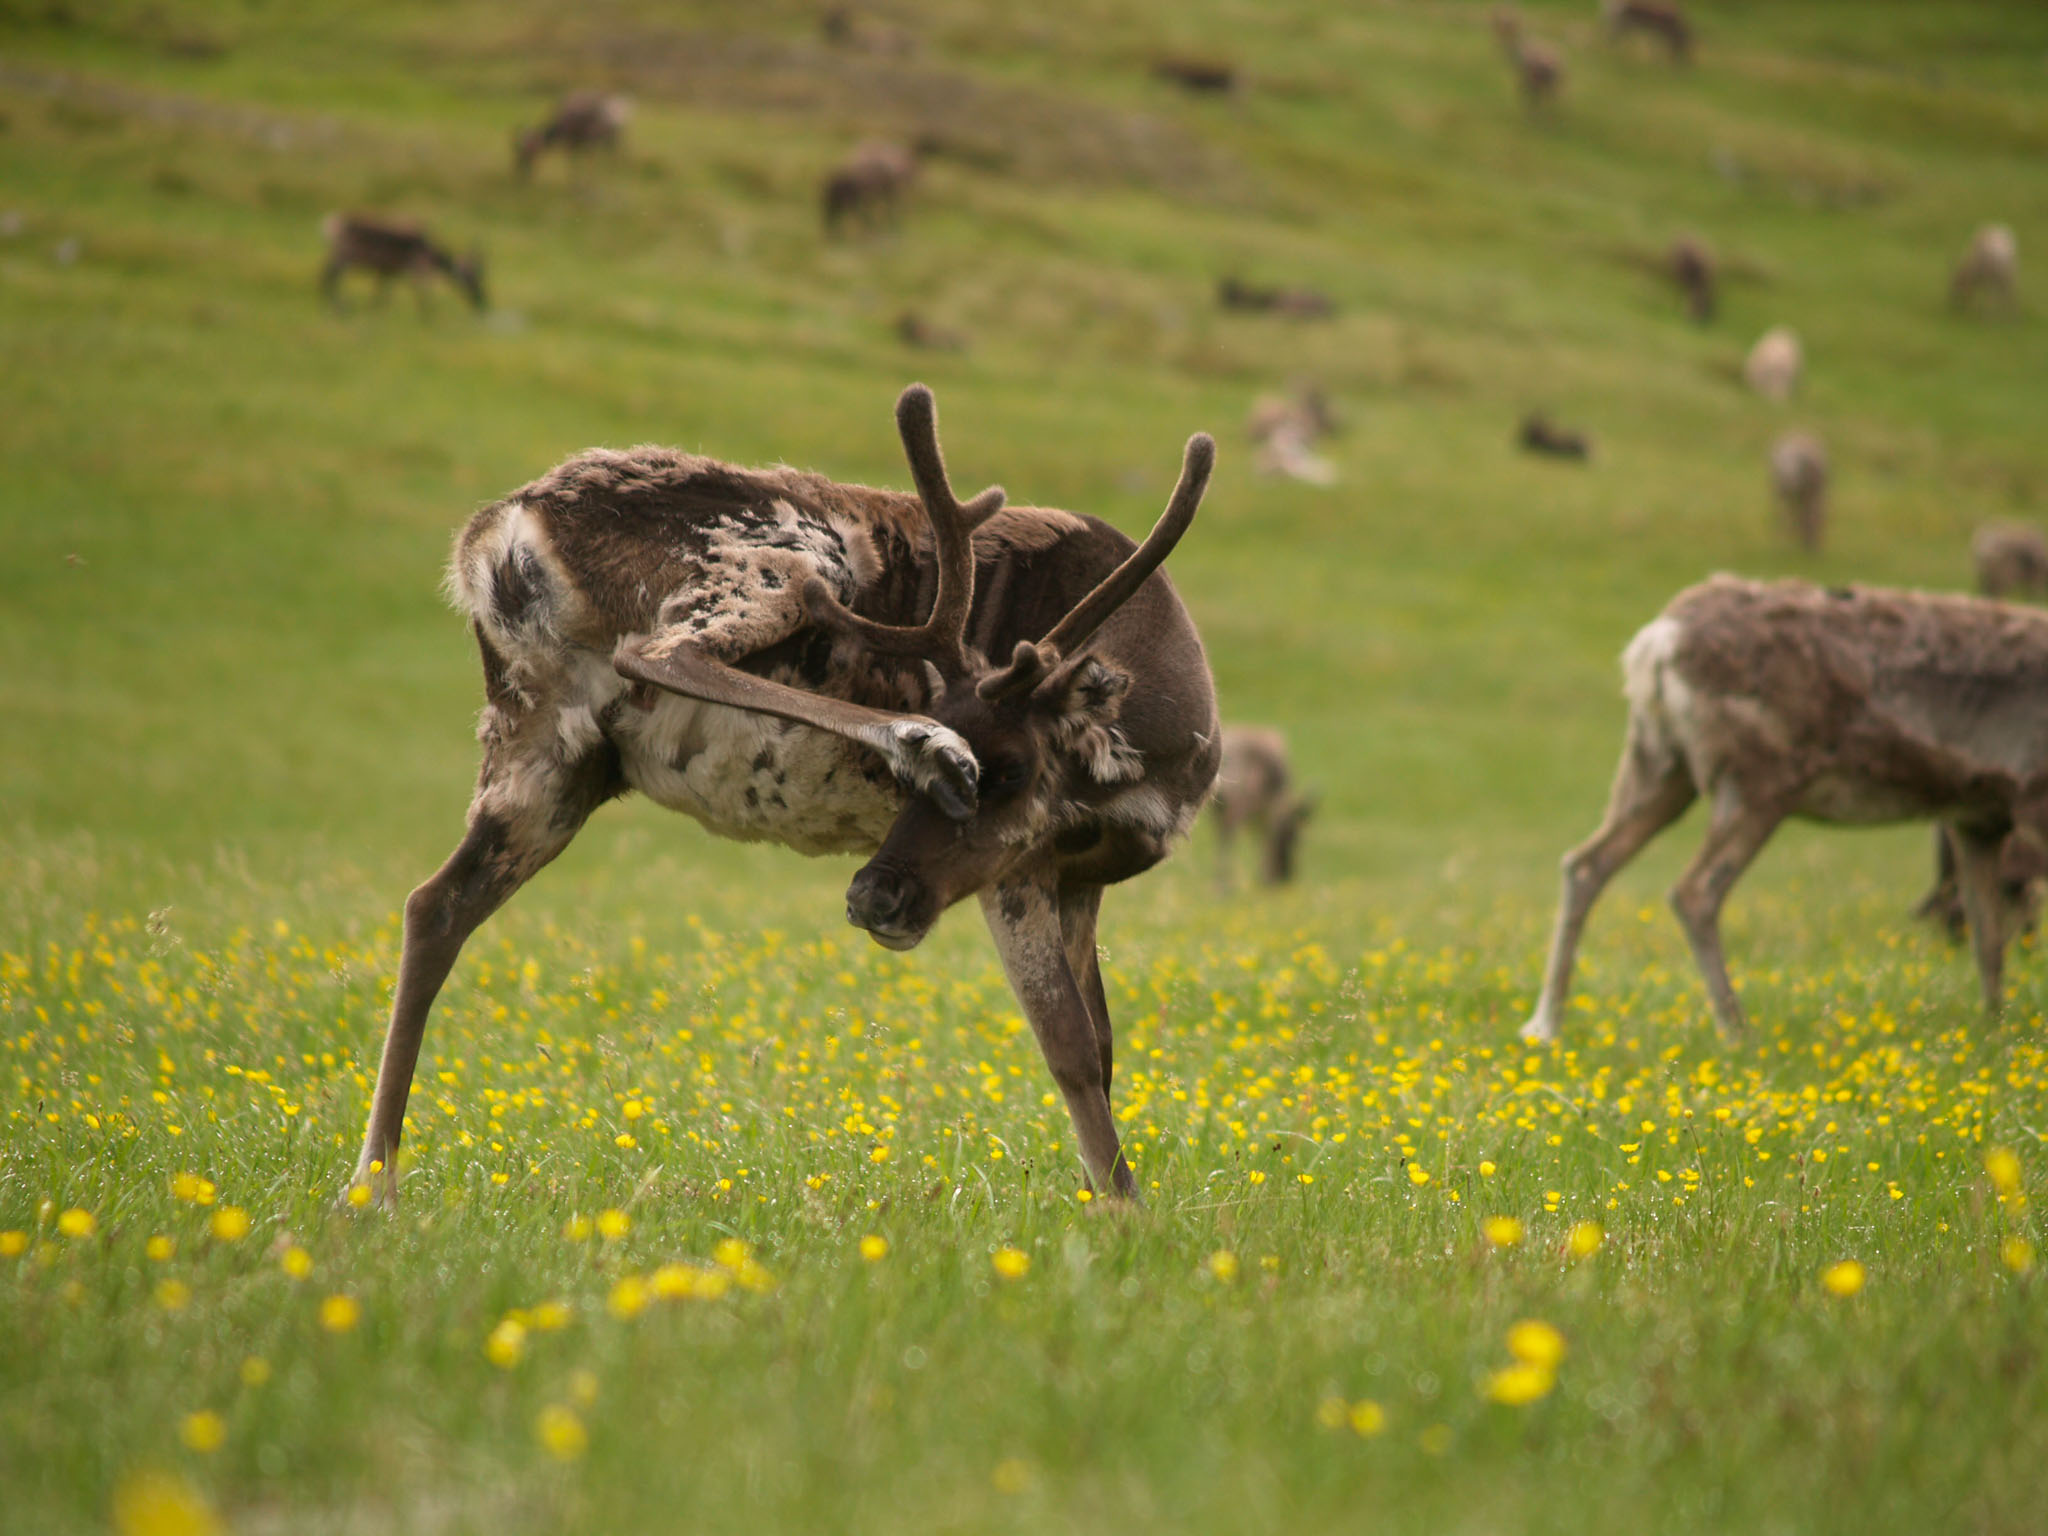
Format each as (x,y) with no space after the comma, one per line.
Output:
(235,700)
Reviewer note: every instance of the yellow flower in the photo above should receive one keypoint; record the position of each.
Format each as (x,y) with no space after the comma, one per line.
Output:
(2018,1254)
(1585,1239)
(505,1346)
(160,1248)
(874,1247)
(339,1313)
(172,1295)
(1367,1418)
(1503,1231)
(1843,1279)
(1520,1384)
(673,1281)
(359,1195)
(1486,1170)
(879,1155)
(1223,1265)
(1536,1343)
(561,1433)
(160,1504)
(1417,1175)
(2004,1168)
(296,1262)
(1011,1476)
(230,1223)
(1011,1263)
(192,1189)
(550,1317)
(255,1371)
(625,1139)
(77,1223)
(731,1253)
(614,1224)
(1084,1195)
(203,1431)
(576,1229)
(13,1243)
(1333,1412)
(628,1299)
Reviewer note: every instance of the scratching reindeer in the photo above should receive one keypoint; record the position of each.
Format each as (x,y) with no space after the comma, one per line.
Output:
(1009,703)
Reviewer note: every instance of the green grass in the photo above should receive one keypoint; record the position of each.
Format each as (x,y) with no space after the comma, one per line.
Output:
(239,727)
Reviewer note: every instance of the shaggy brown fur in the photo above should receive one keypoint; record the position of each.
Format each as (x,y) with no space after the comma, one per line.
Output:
(2011,558)
(1856,706)
(1255,788)
(1799,477)
(388,248)
(585,120)
(1008,703)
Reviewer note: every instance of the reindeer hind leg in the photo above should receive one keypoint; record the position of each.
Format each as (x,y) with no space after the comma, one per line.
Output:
(1740,828)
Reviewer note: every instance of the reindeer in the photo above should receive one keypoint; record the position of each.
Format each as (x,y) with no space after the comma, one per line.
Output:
(1539,68)
(1007,703)
(1775,363)
(388,248)
(1294,303)
(1285,430)
(869,184)
(583,121)
(1653,18)
(2010,557)
(913,330)
(1203,77)
(1990,266)
(1255,788)
(1852,705)
(1799,476)
(1539,434)
(1692,268)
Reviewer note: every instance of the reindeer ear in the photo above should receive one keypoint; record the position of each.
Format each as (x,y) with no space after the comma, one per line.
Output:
(1084,701)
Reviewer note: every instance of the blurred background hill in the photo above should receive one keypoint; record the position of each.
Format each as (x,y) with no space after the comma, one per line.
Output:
(226,504)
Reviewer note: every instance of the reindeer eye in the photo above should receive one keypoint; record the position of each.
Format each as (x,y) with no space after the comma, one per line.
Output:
(1004,776)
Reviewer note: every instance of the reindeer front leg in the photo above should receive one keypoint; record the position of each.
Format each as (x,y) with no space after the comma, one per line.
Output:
(1023,913)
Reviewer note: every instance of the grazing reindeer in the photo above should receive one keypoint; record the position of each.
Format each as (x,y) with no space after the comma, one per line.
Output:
(1255,788)
(1659,19)
(1799,476)
(1853,705)
(1692,267)
(1990,266)
(1204,77)
(1004,703)
(1540,434)
(913,330)
(869,184)
(1539,68)
(1294,303)
(1775,363)
(2010,557)
(585,120)
(391,249)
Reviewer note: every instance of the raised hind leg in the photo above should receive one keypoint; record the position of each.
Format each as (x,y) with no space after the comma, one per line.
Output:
(1651,790)
(1740,828)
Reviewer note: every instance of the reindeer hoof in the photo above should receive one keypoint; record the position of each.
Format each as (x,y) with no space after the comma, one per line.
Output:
(1540,1031)
(939,764)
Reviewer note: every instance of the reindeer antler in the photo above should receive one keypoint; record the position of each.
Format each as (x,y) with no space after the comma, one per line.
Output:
(942,638)
(1032,663)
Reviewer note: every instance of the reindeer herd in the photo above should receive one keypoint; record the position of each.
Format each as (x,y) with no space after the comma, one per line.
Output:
(1012,703)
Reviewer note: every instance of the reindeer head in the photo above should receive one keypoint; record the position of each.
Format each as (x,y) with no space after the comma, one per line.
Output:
(1042,724)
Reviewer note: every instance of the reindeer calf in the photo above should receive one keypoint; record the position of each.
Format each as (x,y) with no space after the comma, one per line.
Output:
(583,121)
(1799,476)
(386,249)
(1255,788)
(1851,705)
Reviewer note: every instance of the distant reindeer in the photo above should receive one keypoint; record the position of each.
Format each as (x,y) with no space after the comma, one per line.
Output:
(1693,269)
(583,121)
(1539,68)
(1659,19)
(1852,705)
(1255,788)
(1209,77)
(844,27)
(1285,430)
(1775,363)
(389,248)
(869,184)
(2010,558)
(915,331)
(1799,477)
(1009,703)
(1541,435)
(1990,267)
(1294,303)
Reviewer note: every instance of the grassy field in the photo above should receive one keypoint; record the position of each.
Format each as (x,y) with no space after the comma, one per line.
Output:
(718,1216)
